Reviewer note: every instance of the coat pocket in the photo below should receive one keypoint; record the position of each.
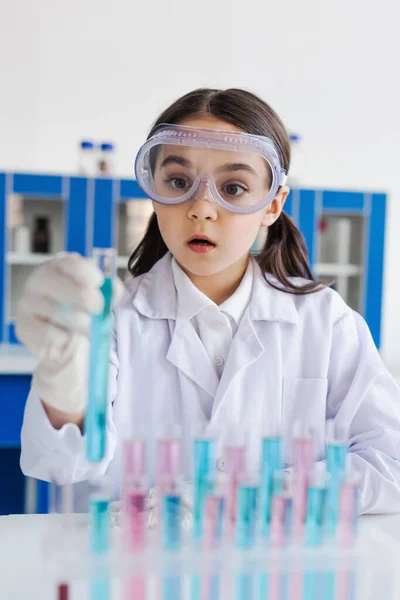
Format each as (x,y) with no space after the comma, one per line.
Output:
(304,401)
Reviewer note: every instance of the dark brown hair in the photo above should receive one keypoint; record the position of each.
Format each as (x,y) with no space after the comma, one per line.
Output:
(284,254)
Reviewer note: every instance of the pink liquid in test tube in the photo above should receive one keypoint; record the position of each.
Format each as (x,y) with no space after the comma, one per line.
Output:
(134,495)
(347,514)
(134,460)
(135,519)
(303,460)
(278,510)
(236,459)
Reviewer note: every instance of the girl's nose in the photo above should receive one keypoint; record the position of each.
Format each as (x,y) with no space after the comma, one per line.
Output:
(203,207)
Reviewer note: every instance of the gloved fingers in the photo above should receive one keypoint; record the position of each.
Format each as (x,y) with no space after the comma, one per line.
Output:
(57,313)
(54,282)
(40,336)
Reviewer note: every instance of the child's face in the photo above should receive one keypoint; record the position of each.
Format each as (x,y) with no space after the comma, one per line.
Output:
(233,234)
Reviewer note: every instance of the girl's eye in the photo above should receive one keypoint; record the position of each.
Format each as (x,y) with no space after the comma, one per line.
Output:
(234,189)
(178,183)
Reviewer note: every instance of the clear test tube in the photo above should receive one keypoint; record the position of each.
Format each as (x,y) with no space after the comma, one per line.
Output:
(246,513)
(236,461)
(99,351)
(303,460)
(169,463)
(61,502)
(204,451)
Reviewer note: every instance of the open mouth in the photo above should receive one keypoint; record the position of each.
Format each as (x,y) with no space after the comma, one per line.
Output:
(201,244)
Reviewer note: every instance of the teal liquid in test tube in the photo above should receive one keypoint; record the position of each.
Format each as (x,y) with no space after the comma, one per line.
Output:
(204,465)
(99,339)
(336,457)
(271,461)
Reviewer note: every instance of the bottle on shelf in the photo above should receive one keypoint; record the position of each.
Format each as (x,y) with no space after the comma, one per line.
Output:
(87,158)
(105,163)
(295,171)
(41,236)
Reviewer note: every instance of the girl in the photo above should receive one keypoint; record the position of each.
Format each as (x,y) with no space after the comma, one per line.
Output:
(206,335)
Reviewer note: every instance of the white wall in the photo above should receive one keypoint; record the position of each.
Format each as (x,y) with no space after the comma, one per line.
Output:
(91,68)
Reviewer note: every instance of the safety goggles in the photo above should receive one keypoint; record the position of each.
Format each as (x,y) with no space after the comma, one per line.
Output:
(239,171)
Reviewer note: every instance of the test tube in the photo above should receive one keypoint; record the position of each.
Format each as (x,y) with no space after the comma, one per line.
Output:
(135,515)
(204,464)
(336,454)
(61,502)
(303,459)
(348,510)
(278,509)
(236,461)
(215,504)
(99,519)
(316,506)
(99,342)
(246,513)
(168,464)
(135,491)
(271,461)
(171,515)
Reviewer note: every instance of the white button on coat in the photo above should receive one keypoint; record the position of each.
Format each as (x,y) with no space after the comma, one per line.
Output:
(305,357)
(222,465)
(217,324)
(219,361)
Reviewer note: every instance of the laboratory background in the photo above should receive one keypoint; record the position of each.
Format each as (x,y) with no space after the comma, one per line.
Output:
(81,84)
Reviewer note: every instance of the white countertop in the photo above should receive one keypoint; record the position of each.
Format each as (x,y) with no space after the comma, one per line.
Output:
(25,574)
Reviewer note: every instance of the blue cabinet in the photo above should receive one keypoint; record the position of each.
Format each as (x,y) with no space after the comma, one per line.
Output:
(344,233)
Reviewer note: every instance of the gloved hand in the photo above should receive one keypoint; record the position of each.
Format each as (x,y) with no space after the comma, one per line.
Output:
(53,318)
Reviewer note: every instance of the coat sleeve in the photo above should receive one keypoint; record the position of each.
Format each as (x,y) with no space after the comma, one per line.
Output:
(60,455)
(364,398)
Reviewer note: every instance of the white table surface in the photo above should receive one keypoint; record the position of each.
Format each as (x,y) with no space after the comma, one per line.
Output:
(23,568)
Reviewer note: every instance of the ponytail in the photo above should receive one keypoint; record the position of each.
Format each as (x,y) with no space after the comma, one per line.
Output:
(285,255)
(149,251)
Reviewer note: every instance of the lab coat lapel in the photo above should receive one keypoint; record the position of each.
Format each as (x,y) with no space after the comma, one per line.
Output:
(246,348)
(188,354)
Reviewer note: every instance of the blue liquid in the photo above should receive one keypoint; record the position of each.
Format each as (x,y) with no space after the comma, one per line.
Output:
(271,461)
(99,589)
(95,420)
(336,455)
(244,586)
(315,516)
(172,588)
(99,526)
(246,516)
(171,522)
(204,464)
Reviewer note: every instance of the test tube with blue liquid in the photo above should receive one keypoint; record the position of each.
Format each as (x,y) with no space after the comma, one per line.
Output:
(99,350)
(99,538)
(246,513)
(204,464)
(271,461)
(171,514)
(336,455)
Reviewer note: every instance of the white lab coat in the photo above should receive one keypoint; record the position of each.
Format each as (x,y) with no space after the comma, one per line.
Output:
(305,358)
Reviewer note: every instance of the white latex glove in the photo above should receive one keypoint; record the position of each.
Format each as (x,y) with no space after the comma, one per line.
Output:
(53,318)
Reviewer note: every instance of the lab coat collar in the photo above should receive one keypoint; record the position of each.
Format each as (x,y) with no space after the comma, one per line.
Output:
(156,296)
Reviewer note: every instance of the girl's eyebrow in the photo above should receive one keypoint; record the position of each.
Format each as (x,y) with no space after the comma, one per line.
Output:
(171,159)
(184,162)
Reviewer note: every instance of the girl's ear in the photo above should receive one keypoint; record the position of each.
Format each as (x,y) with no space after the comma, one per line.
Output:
(273,211)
